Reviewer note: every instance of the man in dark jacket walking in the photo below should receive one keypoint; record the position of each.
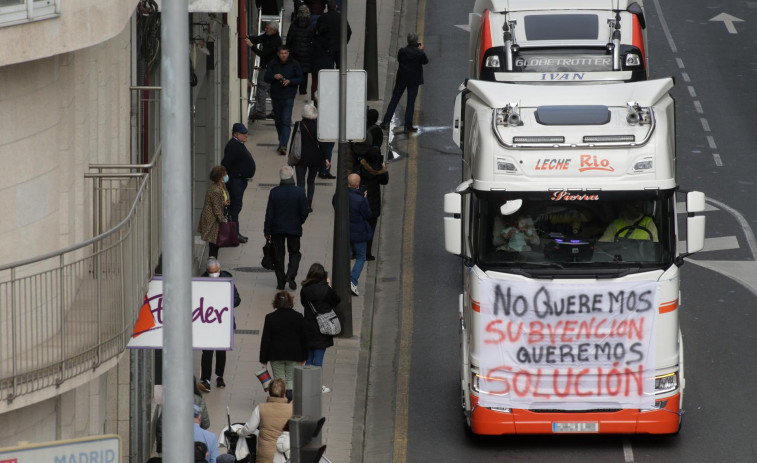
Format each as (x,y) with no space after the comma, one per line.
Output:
(240,167)
(285,213)
(410,60)
(269,42)
(328,27)
(285,75)
(360,229)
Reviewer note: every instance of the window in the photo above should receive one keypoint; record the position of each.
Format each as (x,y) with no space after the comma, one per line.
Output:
(551,231)
(22,11)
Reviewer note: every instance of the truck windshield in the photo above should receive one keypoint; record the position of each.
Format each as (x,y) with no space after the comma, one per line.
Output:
(566,230)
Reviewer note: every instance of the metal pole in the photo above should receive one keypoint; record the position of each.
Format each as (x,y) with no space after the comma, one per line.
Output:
(370,50)
(177,247)
(341,253)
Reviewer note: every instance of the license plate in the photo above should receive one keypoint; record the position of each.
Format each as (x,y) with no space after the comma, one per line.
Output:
(575,427)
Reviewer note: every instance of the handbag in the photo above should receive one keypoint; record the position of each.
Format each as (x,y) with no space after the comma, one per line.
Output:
(328,323)
(295,148)
(267,261)
(227,235)
(264,377)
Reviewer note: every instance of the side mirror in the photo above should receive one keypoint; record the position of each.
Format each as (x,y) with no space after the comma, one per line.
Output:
(453,226)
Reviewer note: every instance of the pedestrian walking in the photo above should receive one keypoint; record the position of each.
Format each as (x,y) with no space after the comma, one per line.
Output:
(283,340)
(360,229)
(374,137)
(215,210)
(312,156)
(286,211)
(299,40)
(206,361)
(240,166)
(284,74)
(265,46)
(373,174)
(409,77)
(329,27)
(317,296)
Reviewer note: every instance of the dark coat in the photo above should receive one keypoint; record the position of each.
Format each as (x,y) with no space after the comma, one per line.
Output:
(329,26)
(311,155)
(269,44)
(270,7)
(323,298)
(411,60)
(299,38)
(373,174)
(291,71)
(316,7)
(283,337)
(286,211)
(238,160)
(321,58)
(360,212)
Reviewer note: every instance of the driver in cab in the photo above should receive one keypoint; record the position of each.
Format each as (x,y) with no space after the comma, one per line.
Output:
(632,224)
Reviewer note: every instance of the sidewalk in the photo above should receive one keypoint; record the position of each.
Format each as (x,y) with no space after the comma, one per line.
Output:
(342,369)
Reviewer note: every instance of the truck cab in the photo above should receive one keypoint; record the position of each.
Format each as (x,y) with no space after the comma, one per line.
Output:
(551,41)
(567,224)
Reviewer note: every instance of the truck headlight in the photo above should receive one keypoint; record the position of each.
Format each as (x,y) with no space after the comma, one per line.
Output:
(492,61)
(474,382)
(665,383)
(632,59)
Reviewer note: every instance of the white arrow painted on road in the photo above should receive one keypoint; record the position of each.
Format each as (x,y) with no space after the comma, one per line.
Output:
(728,20)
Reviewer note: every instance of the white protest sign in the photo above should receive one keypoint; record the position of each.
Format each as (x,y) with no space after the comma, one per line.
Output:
(566,346)
(212,315)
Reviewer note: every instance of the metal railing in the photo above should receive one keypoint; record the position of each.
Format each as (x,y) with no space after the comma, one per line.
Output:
(67,312)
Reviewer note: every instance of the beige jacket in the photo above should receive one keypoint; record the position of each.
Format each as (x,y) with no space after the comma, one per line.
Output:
(212,213)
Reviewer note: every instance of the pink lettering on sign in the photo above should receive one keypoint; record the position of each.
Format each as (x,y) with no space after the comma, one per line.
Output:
(592,162)
(565,196)
(552,164)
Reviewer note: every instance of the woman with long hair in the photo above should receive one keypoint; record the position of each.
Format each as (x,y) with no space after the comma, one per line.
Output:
(214,210)
(317,296)
(312,155)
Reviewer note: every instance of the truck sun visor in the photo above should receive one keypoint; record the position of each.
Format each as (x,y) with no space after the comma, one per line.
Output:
(573,115)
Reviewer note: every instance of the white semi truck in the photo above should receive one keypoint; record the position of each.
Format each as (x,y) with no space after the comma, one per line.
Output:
(554,40)
(567,225)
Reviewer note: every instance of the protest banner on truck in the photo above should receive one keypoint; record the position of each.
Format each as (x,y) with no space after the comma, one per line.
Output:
(567,346)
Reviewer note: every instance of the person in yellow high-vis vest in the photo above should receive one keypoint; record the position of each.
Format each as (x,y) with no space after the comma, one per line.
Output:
(631,225)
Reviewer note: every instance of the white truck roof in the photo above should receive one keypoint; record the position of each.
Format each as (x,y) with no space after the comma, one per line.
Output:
(544,5)
(568,137)
(499,95)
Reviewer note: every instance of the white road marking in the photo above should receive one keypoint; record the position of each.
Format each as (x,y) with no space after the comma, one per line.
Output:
(692,92)
(718,160)
(728,20)
(681,207)
(686,77)
(627,450)
(705,124)
(679,61)
(711,142)
(720,243)
(665,27)
(698,107)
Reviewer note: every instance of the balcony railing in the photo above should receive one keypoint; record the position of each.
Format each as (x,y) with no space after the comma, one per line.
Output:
(69,312)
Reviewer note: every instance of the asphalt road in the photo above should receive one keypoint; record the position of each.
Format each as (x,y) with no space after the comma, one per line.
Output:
(715,72)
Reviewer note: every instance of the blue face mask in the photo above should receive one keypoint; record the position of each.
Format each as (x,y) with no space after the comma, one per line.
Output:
(226,178)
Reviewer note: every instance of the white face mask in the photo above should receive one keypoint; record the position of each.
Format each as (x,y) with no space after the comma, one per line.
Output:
(215,275)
